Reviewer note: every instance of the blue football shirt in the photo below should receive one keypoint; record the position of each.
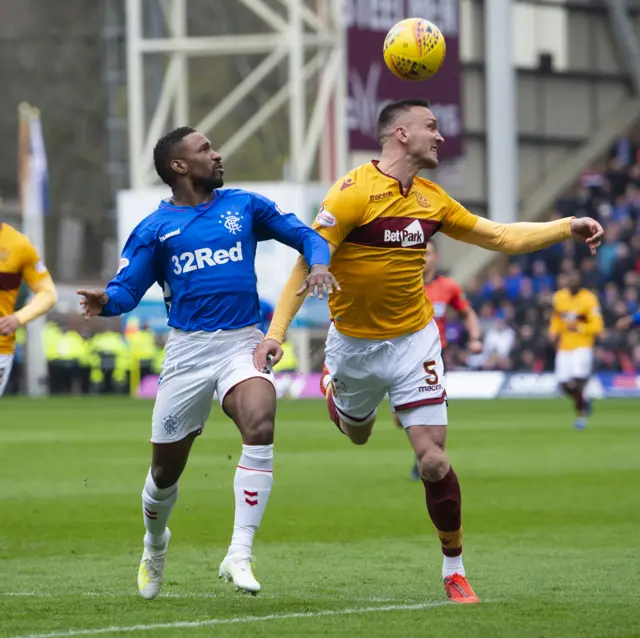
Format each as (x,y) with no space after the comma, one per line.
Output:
(203,257)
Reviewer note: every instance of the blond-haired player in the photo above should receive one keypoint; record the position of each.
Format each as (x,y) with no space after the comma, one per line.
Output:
(19,260)
(383,339)
(575,323)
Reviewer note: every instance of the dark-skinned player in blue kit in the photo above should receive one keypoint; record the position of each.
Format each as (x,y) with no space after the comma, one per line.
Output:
(200,246)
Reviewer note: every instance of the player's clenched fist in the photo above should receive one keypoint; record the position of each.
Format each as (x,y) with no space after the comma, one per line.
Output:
(267,354)
(588,231)
(319,279)
(8,325)
(93,302)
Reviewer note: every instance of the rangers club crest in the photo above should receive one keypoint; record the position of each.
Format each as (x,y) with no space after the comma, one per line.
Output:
(231,222)
(170,424)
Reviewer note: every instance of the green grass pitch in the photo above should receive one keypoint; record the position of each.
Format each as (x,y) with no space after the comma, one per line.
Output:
(551,519)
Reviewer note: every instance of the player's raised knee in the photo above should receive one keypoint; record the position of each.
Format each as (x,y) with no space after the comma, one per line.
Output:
(164,476)
(433,464)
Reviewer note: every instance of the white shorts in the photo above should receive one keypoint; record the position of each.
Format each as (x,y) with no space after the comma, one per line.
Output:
(197,365)
(408,368)
(6,363)
(574,364)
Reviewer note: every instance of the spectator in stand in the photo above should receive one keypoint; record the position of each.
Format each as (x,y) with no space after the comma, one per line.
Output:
(541,277)
(617,177)
(526,299)
(562,280)
(590,275)
(623,263)
(498,343)
(635,248)
(474,292)
(631,299)
(621,210)
(527,354)
(485,315)
(606,255)
(567,265)
(494,289)
(513,281)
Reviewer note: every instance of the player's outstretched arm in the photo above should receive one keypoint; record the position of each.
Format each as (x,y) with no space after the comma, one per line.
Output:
(519,237)
(291,299)
(271,223)
(136,274)
(524,237)
(472,325)
(44,298)
(340,212)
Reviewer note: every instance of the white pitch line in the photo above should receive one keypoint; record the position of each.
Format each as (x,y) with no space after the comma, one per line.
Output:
(237,620)
(187,595)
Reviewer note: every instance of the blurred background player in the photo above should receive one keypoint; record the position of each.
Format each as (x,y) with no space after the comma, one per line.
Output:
(200,245)
(383,340)
(19,260)
(443,293)
(576,321)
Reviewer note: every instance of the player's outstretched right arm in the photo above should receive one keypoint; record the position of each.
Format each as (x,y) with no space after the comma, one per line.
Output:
(136,274)
(518,237)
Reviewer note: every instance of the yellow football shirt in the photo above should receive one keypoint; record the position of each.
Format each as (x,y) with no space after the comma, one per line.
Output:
(576,319)
(381,232)
(18,260)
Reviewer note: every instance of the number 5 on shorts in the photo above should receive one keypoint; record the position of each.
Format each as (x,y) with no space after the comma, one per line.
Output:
(432,375)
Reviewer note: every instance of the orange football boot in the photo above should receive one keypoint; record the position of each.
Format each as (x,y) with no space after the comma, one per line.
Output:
(458,589)
(325,380)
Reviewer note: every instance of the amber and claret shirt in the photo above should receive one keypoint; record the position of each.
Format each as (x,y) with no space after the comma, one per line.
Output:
(18,260)
(576,319)
(379,233)
(382,234)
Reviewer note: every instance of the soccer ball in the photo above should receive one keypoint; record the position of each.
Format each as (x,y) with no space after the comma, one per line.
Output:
(414,49)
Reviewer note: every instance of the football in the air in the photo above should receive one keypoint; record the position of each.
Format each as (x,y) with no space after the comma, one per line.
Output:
(414,49)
